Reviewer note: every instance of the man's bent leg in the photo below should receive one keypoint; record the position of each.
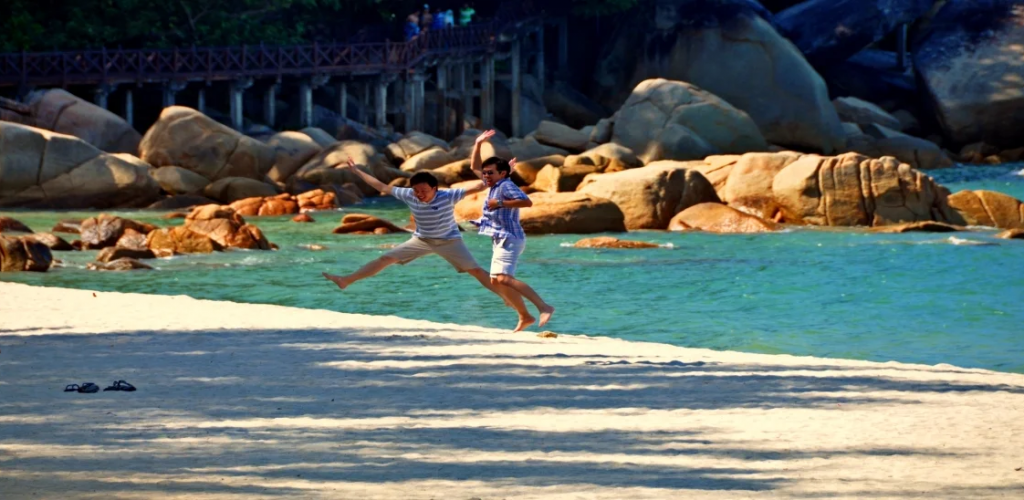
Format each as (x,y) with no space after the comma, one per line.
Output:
(526,291)
(511,297)
(371,268)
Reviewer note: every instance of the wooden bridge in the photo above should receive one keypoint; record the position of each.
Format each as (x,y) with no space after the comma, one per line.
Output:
(457,62)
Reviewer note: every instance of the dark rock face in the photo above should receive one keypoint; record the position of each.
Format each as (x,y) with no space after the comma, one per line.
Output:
(971,71)
(723,47)
(830,31)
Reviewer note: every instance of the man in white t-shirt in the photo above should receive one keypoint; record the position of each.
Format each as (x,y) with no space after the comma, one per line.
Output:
(436,232)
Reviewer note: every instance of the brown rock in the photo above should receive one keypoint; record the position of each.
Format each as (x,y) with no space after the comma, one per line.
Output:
(180,181)
(37,255)
(9,225)
(610,242)
(562,179)
(112,253)
(179,240)
(749,184)
(561,136)
(12,255)
(650,196)
(53,242)
(248,207)
(607,157)
(175,215)
(303,218)
(358,223)
(854,190)
(132,240)
(919,227)
(123,264)
(989,208)
(429,160)
(555,213)
(330,166)
(318,199)
(1011,234)
(274,207)
(68,226)
(547,335)
(211,212)
(105,230)
(718,218)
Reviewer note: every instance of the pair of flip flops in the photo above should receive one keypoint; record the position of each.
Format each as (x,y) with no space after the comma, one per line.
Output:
(89,387)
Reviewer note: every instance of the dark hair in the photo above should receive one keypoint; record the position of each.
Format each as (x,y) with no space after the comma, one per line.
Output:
(423,178)
(499,164)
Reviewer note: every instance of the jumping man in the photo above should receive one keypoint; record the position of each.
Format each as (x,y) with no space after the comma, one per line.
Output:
(500,221)
(436,232)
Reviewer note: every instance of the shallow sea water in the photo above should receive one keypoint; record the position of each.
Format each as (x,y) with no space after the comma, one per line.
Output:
(922,298)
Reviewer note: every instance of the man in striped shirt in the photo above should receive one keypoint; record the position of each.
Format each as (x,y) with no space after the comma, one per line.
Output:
(436,233)
(500,221)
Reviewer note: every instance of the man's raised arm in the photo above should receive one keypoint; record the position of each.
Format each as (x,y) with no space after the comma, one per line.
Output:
(369,179)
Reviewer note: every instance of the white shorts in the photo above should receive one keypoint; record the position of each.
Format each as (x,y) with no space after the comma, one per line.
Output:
(506,252)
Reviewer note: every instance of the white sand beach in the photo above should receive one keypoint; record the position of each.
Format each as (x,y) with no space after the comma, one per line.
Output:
(258,401)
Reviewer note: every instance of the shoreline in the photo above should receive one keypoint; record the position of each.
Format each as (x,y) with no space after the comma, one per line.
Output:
(324,404)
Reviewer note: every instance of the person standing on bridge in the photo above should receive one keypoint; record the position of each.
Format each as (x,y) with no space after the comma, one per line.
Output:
(412,26)
(426,19)
(466,15)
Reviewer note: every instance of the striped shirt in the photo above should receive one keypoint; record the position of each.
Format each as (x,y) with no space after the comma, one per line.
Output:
(503,222)
(435,219)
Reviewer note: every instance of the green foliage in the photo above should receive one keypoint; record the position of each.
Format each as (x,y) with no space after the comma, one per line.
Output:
(67,24)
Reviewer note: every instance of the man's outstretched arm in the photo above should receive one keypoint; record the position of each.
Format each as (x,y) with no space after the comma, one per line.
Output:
(369,179)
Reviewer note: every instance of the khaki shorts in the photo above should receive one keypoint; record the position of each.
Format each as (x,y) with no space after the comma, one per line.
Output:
(454,251)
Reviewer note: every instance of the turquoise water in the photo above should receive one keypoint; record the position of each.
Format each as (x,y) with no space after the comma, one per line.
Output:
(916,298)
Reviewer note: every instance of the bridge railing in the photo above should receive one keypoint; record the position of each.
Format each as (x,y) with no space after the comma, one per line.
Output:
(149,65)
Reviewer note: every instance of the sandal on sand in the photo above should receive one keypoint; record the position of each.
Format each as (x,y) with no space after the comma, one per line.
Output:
(121,385)
(88,388)
(71,388)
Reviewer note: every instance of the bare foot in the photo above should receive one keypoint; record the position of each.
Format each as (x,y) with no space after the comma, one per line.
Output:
(337,280)
(524,323)
(545,315)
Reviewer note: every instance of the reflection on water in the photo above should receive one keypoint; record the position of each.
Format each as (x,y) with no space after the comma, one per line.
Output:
(910,297)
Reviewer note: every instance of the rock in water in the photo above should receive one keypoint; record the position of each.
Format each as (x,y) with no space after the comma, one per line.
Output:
(972,73)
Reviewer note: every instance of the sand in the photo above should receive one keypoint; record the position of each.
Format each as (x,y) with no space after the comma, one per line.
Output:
(258,401)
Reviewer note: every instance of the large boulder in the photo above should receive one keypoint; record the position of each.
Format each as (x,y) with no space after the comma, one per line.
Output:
(725,47)
(879,141)
(608,157)
(330,166)
(172,241)
(833,30)
(366,224)
(718,218)
(428,160)
(180,181)
(291,151)
(970,72)
(861,112)
(184,137)
(414,143)
(748,186)
(650,196)
(561,136)
(566,178)
(231,189)
(62,112)
(988,208)
(10,225)
(854,190)
(529,148)
(666,120)
(43,169)
(555,213)
(527,170)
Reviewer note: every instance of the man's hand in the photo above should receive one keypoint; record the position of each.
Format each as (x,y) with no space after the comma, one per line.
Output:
(512,163)
(484,137)
(493,203)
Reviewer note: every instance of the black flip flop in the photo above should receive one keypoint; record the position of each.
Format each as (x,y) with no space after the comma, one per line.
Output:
(121,385)
(71,388)
(89,388)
